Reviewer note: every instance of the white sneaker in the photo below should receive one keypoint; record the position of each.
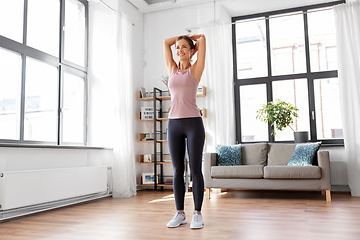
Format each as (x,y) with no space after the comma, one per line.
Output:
(177,220)
(197,221)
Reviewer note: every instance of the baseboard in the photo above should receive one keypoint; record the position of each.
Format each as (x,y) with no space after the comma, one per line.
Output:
(23,211)
(340,188)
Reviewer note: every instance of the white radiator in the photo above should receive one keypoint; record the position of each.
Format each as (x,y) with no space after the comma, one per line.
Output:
(338,173)
(26,188)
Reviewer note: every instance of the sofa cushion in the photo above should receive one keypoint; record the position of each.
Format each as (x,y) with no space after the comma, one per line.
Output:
(228,155)
(292,172)
(280,154)
(249,171)
(254,154)
(304,154)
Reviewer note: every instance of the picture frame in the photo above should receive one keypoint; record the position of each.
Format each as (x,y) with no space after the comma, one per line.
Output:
(148,158)
(148,178)
(143,92)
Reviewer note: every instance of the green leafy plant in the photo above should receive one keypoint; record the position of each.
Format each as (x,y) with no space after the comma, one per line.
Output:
(279,113)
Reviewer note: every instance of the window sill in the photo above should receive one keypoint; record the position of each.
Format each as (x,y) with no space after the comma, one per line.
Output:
(51,146)
(291,142)
(332,145)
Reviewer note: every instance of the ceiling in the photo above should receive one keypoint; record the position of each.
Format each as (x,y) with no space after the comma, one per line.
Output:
(157,1)
(233,7)
(146,6)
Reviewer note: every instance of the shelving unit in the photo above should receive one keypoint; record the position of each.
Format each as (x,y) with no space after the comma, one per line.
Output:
(200,93)
(158,141)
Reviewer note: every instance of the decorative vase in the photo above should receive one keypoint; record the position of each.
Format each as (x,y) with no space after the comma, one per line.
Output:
(301,137)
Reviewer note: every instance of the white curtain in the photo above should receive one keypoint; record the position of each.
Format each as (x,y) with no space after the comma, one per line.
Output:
(347,20)
(111,93)
(124,173)
(218,79)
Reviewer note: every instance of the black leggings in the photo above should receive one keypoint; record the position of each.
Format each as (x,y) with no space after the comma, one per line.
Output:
(193,130)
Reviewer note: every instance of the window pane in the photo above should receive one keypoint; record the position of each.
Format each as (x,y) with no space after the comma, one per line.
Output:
(287,45)
(73,109)
(295,92)
(327,107)
(43,25)
(10,86)
(41,104)
(251,49)
(11,19)
(252,98)
(75,32)
(322,40)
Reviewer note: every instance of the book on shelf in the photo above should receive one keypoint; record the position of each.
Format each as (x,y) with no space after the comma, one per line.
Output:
(168,181)
(147,139)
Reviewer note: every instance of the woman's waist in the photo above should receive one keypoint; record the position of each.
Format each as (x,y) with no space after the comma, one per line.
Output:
(185,119)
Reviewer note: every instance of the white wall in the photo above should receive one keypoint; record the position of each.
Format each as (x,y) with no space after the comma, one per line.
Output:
(165,24)
(244,7)
(337,154)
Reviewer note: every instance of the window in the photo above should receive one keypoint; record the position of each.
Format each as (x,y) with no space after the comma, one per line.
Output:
(40,101)
(74,32)
(296,93)
(12,12)
(327,108)
(43,26)
(288,55)
(251,49)
(287,44)
(73,108)
(43,77)
(322,40)
(252,97)
(10,82)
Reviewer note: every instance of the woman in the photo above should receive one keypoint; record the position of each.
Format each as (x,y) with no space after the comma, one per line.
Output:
(185,122)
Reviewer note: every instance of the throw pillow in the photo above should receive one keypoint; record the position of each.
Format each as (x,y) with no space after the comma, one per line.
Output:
(304,154)
(228,155)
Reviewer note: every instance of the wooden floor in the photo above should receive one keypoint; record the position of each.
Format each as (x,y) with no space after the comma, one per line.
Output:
(233,215)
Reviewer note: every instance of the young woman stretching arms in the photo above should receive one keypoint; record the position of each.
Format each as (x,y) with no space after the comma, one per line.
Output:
(185,121)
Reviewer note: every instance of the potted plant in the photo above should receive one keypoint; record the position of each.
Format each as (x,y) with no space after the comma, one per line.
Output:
(282,115)
(165,80)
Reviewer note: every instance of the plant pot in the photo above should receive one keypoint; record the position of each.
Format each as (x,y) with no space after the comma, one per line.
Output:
(301,137)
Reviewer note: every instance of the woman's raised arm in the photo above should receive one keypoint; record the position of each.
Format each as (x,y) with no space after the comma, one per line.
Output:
(170,63)
(200,48)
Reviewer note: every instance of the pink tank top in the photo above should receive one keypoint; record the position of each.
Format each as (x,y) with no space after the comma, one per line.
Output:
(183,87)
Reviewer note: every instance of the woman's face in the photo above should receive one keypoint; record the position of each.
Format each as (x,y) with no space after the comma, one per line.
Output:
(183,50)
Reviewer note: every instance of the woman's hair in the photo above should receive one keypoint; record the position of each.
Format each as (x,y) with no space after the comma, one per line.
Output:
(191,43)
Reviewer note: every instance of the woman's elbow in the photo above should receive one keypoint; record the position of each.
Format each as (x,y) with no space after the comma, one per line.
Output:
(167,42)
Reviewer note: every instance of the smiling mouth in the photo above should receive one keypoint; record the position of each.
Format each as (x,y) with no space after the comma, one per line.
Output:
(181,54)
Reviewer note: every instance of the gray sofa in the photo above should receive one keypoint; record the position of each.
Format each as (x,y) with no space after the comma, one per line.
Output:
(264,167)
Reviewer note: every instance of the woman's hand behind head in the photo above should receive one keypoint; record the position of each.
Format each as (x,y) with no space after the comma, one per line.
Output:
(195,37)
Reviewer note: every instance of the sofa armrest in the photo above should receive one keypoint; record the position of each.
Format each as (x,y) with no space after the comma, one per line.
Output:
(324,164)
(209,161)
